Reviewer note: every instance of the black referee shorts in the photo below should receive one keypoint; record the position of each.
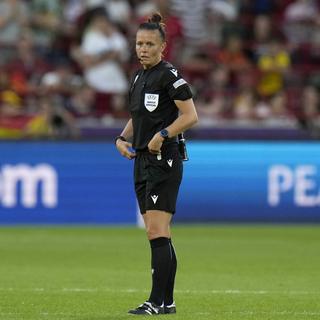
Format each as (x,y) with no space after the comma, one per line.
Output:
(157,179)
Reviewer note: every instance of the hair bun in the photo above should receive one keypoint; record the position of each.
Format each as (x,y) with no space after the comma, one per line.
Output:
(154,23)
(155,18)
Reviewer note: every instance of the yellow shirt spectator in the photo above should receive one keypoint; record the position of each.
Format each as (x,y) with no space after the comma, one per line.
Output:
(273,65)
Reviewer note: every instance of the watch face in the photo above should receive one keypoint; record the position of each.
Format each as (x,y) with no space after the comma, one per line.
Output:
(164,133)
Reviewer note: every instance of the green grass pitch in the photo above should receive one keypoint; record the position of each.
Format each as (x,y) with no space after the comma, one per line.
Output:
(225,272)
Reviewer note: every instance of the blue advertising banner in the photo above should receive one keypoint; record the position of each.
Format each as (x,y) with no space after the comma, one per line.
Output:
(272,182)
(88,182)
(57,182)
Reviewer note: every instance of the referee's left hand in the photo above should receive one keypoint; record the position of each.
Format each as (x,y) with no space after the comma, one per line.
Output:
(125,147)
(155,144)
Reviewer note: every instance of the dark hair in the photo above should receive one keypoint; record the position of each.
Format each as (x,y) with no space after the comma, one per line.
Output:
(154,23)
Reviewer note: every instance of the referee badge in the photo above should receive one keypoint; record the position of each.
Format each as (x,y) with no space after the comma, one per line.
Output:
(151,101)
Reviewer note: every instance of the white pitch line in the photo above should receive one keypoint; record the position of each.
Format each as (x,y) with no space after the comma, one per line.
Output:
(131,290)
(284,312)
(240,312)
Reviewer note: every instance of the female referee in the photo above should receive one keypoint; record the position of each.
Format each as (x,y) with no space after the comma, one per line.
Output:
(161,107)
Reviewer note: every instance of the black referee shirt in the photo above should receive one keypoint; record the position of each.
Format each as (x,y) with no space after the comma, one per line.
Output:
(151,101)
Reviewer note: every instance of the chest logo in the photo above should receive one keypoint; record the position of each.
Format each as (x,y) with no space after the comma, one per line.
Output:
(151,101)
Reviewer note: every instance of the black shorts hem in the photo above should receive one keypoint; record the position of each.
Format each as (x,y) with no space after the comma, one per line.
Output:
(164,210)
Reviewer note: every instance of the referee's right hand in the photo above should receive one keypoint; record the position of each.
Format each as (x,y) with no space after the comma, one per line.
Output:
(125,147)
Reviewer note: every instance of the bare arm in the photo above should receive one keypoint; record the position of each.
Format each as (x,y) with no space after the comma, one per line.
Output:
(127,132)
(90,61)
(188,117)
(124,146)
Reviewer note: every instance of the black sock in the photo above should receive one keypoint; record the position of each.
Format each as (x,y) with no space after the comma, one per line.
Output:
(161,267)
(168,298)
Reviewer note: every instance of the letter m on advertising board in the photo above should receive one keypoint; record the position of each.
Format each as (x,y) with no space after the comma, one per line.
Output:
(35,180)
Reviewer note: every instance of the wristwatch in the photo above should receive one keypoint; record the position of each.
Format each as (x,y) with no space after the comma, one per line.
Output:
(164,133)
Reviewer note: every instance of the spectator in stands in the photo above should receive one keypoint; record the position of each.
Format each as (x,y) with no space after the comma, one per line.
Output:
(244,106)
(46,24)
(14,17)
(102,55)
(310,105)
(280,114)
(61,80)
(262,28)
(12,119)
(81,102)
(142,8)
(193,16)
(261,35)
(274,63)
(11,104)
(222,17)
(120,13)
(26,67)
(39,125)
(232,54)
(300,10)
(51,122)
(73,13)
(274,111)
(72,10)
(227,8)
(215,102)
(299,20)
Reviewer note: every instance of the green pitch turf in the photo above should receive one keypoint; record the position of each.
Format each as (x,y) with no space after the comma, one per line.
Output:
(225,272)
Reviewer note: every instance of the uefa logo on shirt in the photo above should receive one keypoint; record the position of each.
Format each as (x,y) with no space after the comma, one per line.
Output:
(151,101)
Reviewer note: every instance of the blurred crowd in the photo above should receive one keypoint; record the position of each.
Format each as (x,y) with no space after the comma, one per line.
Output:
(65,64)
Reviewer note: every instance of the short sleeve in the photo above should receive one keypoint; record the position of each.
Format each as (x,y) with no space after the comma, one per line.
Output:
(176,86)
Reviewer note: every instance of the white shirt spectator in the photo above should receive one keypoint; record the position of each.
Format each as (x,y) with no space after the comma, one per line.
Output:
(227,9)
(108,76)
(300,21)
(193,16)
(119,11)
(301,10)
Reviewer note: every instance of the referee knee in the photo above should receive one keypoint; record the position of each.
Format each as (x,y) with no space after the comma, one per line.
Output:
(154,232)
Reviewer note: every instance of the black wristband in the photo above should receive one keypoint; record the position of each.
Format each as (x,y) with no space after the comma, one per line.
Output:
(119,137)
